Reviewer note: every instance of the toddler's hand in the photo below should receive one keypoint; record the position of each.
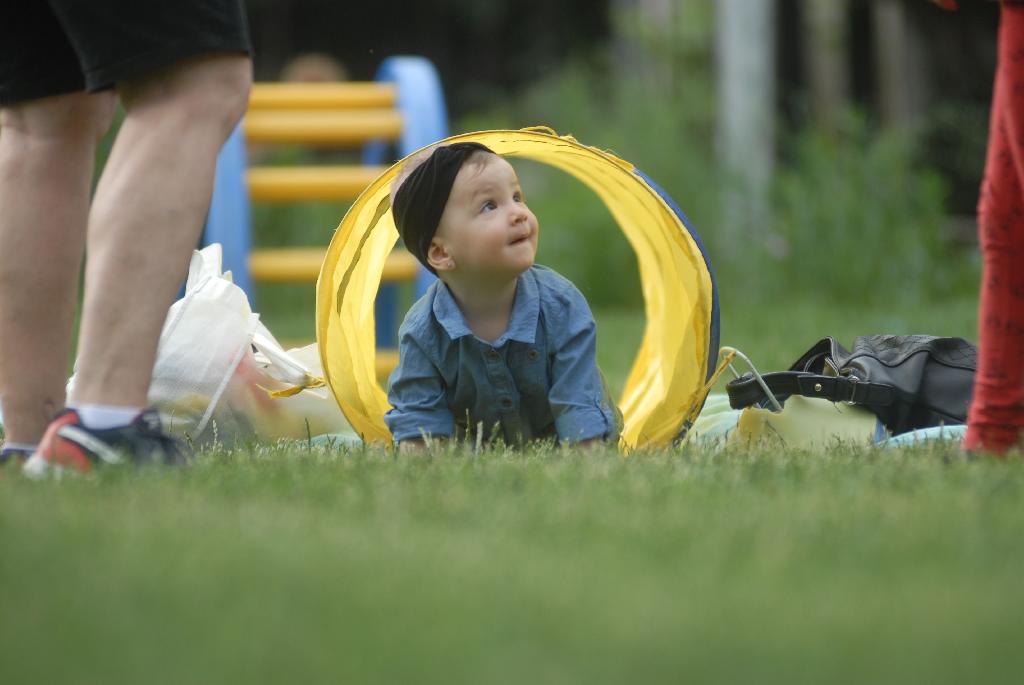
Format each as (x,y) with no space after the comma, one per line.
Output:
(412,446)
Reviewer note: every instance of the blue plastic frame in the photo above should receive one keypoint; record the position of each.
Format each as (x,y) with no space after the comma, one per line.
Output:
(229,221)
(425,119)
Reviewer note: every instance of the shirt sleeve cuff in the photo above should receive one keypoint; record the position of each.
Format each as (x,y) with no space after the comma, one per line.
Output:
(583,423)
(416,424)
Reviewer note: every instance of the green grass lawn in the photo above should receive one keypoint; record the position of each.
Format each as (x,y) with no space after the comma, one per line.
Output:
(288,565)
(292,563)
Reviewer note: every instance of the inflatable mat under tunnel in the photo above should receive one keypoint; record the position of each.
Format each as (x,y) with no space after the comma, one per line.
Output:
(677,356)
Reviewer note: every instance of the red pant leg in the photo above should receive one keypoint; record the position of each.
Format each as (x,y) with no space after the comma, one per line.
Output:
(996,418)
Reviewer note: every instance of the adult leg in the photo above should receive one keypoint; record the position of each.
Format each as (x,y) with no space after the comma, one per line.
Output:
(47,153)
(996,419)
(147,215)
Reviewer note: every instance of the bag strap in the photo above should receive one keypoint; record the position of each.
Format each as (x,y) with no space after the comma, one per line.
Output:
(746,391)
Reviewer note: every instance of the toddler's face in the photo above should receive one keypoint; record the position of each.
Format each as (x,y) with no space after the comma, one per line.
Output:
(486,226)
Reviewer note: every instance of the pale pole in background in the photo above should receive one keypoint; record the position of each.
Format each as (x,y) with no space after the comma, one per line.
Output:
(825,47)
(644,31)
(899,63)
(745,61)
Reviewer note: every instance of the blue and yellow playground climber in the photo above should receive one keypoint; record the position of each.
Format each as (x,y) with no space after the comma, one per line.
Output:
(399,113)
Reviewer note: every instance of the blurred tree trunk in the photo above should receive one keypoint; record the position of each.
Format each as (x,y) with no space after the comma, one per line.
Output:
(745,60)
(825,49)
(899,62)
(642,39)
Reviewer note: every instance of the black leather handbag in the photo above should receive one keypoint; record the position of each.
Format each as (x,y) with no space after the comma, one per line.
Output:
(908,381)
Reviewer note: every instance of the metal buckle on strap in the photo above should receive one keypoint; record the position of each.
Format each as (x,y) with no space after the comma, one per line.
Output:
(854,389)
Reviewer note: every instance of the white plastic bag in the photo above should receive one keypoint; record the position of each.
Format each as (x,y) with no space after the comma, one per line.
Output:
(221,374)
(281,393)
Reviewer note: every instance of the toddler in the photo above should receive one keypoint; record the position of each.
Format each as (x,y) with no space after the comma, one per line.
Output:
(498,347)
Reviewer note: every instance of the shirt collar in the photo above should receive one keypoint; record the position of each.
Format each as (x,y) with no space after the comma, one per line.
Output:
(522,325)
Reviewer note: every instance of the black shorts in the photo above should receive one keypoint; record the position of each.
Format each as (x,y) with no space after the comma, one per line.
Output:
(53,47)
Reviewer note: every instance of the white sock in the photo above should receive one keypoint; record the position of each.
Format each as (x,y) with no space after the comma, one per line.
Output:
(101,416)
(23,446)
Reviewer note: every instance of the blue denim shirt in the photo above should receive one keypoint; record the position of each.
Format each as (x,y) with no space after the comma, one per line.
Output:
(539,379)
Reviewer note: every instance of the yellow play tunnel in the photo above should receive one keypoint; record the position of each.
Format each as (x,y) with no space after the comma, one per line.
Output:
(679,348)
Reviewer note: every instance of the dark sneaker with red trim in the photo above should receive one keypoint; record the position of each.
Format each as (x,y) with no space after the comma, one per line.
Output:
(67,444)
(13,454)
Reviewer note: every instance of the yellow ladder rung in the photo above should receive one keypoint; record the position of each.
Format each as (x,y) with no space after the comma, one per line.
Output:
(385,362)
(322,127)
(302,265)
(321,95)
(292,183)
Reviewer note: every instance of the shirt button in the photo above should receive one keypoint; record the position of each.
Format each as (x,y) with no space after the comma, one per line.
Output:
(492,354)
(532,355)
(506,403)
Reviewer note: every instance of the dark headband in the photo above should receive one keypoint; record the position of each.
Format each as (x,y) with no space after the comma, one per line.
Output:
(420,200)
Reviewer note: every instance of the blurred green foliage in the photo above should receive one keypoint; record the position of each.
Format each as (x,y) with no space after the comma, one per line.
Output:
(862,222)
(858,214)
